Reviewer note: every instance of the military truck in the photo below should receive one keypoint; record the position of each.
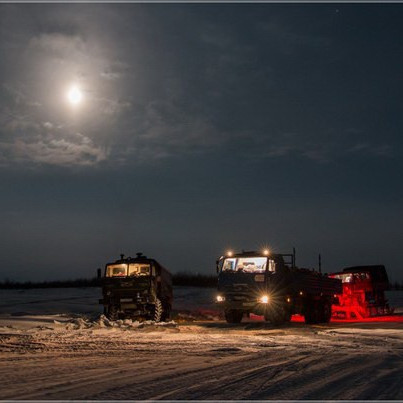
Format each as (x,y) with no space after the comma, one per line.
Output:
(363,292)
(136,288)
(271,285)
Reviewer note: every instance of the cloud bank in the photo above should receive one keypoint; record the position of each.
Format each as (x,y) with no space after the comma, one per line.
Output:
(163,85)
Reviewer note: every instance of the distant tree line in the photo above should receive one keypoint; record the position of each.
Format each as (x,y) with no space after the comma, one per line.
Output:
(9,284)
(194,280)
(182,279)
(396,286)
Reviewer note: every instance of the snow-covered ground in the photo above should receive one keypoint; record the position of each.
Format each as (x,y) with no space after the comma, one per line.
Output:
(54,344)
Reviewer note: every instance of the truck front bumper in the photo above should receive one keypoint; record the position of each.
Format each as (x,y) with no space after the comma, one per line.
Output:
(246,306)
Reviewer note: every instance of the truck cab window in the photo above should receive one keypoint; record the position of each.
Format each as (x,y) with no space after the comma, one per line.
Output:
(139,269)
(272,265)
(252,265)
(116,270)
(229,265)
(247,265)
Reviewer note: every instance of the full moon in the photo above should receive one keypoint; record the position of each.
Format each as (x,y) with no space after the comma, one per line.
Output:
(74,95)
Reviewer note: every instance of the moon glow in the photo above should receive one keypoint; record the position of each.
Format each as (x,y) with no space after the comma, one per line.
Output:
(74,95)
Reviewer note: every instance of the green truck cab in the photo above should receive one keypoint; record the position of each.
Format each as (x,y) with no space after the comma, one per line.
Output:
(137,287)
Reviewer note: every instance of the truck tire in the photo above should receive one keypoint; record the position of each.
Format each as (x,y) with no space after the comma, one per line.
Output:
(233,315)
(273,318)
(166,314)
(312,313)
(158,311)
(278,316)
(326,312)
(112,312)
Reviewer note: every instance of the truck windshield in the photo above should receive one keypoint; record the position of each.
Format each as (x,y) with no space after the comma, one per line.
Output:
(248,264)
(116,270)
(139,269)
(353,277)
(131,270)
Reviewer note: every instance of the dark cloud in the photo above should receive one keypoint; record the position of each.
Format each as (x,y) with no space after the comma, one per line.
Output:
(169,89)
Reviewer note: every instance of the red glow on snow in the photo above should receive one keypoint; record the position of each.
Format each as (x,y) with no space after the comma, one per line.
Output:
(301,319)
(391,318)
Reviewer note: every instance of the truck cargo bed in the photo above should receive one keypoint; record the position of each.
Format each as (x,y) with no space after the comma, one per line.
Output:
(314,283)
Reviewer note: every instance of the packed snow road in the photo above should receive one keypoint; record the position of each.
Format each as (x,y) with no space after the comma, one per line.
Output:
(65,355)
(62,358)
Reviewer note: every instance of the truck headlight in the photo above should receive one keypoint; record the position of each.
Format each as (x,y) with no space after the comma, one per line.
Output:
(220,298)
(264,299)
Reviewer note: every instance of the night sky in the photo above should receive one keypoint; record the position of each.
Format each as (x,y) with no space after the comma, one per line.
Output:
(201,127)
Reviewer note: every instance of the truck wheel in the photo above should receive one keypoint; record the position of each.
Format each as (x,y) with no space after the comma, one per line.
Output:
(312,313)
(309,318)
(287,315)
(112,312)
(273,318)
(326,312)
(158,311)
(233,316)
(278,317)
(166,314)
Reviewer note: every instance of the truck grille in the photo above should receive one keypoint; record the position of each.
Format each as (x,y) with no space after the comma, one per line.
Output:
(239,292)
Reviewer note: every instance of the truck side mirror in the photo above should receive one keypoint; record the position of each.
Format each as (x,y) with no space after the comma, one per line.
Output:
(99,274)
(217,267)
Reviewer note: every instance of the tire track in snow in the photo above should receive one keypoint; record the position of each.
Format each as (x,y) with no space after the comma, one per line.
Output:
(332,377)
(216,379)
(200,364)
(75,377)
(324,379)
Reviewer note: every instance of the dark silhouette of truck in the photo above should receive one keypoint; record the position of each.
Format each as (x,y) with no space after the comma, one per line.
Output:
(271,285)
(136,288)
(363,293)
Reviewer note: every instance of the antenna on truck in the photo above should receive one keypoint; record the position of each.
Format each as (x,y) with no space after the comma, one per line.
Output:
(293,257)
(320,263)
